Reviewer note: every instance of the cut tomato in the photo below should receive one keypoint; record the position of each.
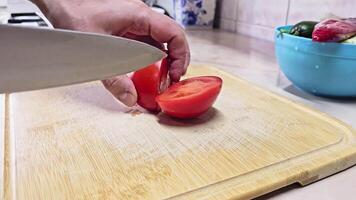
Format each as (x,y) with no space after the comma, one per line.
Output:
(150,82)
(191,97)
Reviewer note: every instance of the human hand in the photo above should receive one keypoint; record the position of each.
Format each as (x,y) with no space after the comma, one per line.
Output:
(127,18)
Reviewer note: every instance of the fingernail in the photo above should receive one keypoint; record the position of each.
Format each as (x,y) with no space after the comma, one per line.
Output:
(127,98)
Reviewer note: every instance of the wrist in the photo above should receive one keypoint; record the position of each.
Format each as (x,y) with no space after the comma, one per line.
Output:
(55,11)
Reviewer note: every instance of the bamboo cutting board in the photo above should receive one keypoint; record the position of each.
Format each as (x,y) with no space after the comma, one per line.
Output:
(78,143)
(2,142)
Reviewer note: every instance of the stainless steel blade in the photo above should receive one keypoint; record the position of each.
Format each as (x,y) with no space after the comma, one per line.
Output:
(37,58)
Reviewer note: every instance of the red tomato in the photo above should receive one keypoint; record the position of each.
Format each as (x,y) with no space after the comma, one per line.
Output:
(150,82)
(191,97)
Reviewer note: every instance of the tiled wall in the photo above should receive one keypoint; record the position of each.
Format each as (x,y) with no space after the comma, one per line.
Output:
(257,18)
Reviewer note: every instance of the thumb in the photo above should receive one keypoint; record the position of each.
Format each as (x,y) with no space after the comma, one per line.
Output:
(122,88)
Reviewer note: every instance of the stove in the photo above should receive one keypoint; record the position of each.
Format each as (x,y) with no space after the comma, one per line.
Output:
(32,19)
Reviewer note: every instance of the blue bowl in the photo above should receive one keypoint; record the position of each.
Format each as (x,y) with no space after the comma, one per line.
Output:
(325,69)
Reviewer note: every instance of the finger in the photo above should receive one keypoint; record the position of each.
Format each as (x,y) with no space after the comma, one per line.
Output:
(144,38)
(164,30)
(122,88)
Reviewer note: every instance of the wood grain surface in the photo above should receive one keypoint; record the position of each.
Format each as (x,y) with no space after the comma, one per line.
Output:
(2,142)
(77,142)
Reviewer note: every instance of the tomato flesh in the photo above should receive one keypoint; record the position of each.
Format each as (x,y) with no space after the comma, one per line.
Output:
(191,97)
(150,82)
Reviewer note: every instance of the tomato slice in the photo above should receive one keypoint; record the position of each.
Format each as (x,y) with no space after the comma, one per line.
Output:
(191,97)
(150,82)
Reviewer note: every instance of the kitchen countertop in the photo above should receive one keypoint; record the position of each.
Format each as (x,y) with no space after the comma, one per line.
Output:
(254,60)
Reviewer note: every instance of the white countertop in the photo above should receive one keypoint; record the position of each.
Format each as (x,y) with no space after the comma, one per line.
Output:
(254,60)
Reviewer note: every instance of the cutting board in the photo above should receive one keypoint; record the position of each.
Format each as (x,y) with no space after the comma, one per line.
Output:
(2,142)
(77,142)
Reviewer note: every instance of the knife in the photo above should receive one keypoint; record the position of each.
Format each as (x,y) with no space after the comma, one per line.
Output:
(37,58)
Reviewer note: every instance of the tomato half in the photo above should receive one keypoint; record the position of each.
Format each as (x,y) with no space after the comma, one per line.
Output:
(150,82)
(191,97)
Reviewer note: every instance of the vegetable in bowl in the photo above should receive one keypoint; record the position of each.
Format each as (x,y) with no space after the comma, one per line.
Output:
(303,29)
(329,30)
(334,30)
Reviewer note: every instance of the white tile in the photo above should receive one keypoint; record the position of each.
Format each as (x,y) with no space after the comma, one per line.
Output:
(256,31)
(269,13)
(228,9)
(15,1)
(228,25)
(317,9)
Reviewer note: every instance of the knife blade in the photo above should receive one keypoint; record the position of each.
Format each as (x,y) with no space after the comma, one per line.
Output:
(38,58)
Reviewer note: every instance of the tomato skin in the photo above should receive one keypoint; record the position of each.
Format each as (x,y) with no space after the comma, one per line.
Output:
(149,82)
(186,99)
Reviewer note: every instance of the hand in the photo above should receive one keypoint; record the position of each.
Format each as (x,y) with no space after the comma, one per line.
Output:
(126,18)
